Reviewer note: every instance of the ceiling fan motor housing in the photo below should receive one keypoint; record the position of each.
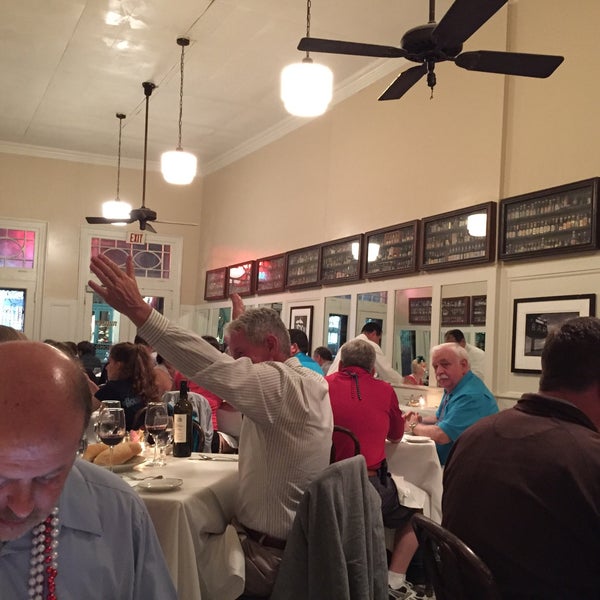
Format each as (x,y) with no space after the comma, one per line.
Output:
(420,47)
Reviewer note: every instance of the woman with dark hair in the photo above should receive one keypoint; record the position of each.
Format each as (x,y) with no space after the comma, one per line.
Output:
(130,379)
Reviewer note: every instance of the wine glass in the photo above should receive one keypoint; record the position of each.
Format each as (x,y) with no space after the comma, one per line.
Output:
(111,429)
(164,439)
(156,421)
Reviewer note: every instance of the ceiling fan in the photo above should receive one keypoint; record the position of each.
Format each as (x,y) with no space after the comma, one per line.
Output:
(143,214)
(438,42)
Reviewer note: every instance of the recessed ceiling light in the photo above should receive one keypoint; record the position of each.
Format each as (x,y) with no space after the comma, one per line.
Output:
(113,18)
(122,45)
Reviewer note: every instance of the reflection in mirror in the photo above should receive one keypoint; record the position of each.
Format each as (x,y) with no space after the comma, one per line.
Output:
(337,312)
(412,328)
(464,308)
(276,306)
(372,306)
(219,317)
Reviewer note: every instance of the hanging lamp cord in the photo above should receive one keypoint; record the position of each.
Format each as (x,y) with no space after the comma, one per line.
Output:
(183,42)
(148,89)
(120,116)
(308,5)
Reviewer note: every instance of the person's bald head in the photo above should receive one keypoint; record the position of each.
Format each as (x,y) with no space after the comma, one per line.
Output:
(44,381)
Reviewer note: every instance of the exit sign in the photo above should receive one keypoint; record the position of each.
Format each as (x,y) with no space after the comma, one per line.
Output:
(136,237)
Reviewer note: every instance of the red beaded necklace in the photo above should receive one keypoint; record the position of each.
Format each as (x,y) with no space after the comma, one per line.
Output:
(44,556)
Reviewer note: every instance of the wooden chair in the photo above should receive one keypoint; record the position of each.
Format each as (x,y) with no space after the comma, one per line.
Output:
(344,444)
(454,570)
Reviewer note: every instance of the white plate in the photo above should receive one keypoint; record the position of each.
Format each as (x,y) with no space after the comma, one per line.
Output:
(417,439)
(127,466)
(160,485)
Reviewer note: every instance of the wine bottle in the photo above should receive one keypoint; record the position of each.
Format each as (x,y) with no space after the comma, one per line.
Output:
(182,423)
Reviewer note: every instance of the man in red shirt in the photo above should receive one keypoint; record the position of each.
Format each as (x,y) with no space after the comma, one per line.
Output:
(369,408)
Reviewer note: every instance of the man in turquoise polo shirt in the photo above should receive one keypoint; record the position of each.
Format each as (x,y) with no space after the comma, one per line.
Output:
(466,399)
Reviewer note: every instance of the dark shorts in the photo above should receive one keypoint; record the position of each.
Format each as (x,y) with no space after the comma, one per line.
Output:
(395,516)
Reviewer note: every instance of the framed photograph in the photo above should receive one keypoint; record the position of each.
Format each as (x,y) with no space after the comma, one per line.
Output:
(459,238)
(301,317)
(391,251)
(553,221)
(533,318)
(270,274)
(341,259)
(241,278)
(456,311)
(215,286)
(302,270)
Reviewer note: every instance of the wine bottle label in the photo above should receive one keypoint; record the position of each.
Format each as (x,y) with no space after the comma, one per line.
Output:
(180,428)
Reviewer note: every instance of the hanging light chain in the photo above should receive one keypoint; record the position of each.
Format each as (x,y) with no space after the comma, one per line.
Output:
(183,42)
(308,5)
(120,116)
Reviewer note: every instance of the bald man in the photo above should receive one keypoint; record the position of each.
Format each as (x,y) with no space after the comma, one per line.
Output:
(107,546)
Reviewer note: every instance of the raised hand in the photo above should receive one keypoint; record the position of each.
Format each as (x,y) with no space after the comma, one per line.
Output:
(119,288)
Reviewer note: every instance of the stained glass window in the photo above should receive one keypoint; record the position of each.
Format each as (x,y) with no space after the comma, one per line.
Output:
(17,248)
(149,259)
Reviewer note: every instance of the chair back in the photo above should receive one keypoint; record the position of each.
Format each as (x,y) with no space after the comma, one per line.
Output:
(454,570)
(344,444)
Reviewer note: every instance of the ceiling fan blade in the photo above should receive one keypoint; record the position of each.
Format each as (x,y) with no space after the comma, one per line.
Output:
(177,223)
(463,19)
(144,225)
(310,44)
(403,83)
(105,221)
(509,63)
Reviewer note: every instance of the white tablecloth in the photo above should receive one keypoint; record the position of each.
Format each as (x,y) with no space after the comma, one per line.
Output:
(203,553)
(419,465)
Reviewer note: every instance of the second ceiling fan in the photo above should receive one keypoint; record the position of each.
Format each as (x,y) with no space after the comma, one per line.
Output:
(439,42)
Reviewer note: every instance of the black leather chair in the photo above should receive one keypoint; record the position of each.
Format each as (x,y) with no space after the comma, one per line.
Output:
(454,570)
(344,444)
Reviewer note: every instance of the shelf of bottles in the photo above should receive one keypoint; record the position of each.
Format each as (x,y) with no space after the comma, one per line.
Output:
(419,311)
(302,269)
(551,221)
(448,240)
(391,251)
(270,274)
(340,260)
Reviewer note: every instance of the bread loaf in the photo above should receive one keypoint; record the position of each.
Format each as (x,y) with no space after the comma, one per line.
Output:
(93,450)
(121,454)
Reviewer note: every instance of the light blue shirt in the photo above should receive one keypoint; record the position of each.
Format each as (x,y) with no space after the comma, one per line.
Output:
(308,362)
(108,549)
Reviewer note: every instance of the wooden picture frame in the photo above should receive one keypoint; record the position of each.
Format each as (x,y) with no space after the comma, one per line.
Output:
(341,260)
(447,240)
(419,311)
(532,320)
(557,220)
(301,317)
(456,311)
(478,310)
(270,274)
(302,268)
(391,251)
(241,278)
(215,284)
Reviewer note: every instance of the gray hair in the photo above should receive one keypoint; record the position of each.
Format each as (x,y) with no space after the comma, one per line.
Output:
(358,353)
(460,352)
(257,323)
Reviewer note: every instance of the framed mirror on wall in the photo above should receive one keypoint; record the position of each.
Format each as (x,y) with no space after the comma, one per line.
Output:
(463,311)
(412,329)
(372,306)
(337,314)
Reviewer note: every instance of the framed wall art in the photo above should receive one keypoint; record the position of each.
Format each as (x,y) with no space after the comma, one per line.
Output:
(270,274)
(556,220)
(302,270)
(478,310)
(456,311)
(533,318)
(391,251)
(340,260)
(241,278)
(215,286)
(301,317)
(419,311)
(458,238)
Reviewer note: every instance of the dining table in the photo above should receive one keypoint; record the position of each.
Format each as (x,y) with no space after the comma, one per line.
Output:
(191,502)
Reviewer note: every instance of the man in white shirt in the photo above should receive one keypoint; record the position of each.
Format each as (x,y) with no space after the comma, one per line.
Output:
(371,332)
(285,439)
(476,355)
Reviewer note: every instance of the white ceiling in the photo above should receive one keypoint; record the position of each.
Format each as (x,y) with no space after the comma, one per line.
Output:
(63,77)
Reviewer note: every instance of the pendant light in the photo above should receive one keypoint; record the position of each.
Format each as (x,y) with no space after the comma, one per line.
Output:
(117,209)
(177,166)
(306,87)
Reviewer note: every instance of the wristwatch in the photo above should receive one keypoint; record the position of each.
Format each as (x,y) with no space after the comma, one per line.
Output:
(412,426)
